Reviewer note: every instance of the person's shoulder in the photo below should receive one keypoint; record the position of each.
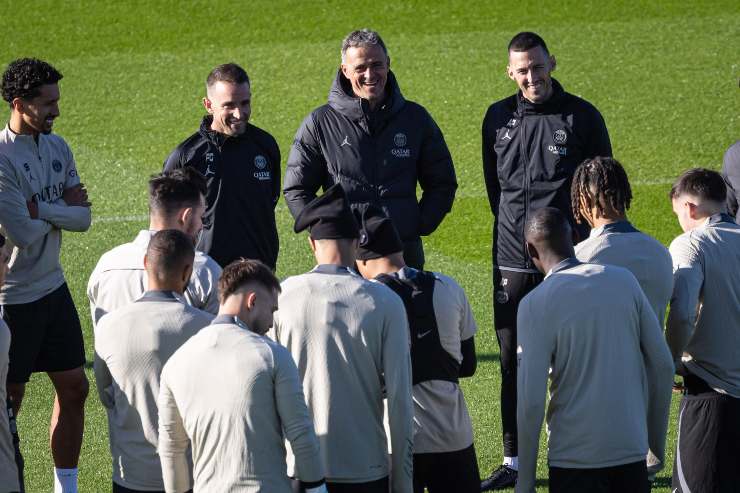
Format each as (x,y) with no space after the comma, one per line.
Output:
(262,136)
(577,104)
(501,111)
(117,254)
(185,148)
(195,314)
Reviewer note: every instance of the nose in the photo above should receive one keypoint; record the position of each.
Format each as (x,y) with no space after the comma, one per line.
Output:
(237,113)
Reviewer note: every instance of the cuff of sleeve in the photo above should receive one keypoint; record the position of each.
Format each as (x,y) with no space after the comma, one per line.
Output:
(44,210)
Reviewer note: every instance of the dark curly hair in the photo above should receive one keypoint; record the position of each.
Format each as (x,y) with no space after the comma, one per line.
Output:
(24,77)
(601,181)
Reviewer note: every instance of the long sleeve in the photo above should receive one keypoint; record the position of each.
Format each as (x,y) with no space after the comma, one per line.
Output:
(305,170)
(731,174)
(600,144)
(295,419)
(688,279)
(397,372)
(534,355)
(659,369)
(490,174)
(276,183)
(173,441)
(14,217)
(436,175)
(103,381)
(61,215)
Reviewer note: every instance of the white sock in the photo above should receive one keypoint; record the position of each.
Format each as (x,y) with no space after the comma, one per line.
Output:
(65,480)
(512,462)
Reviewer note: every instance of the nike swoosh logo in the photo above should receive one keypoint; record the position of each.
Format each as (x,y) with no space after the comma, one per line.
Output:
(422,334)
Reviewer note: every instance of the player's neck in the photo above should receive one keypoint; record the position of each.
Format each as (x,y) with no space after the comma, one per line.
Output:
(19,127)
(601,221)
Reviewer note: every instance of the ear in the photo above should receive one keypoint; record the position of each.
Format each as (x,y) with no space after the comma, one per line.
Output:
(389,62)
(510,72)
(251,300)
(345,70)
(208,105)
(693,210)
(532,251)
(185,215)
(186,273)
(553,63)
(18,105)
(146,261)
(312,242)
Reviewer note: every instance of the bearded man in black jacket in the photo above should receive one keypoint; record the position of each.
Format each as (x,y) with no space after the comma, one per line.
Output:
(532,143)
(377,145)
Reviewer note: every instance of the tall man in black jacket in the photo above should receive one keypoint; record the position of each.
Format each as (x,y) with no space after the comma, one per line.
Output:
(532,143)
(377,145)
(241,164)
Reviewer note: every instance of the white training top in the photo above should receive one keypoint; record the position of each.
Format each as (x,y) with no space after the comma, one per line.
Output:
(350,340)
(119,278)
(40,172)
(590,329)
(234,395)
(622,245)
(132,344)
(704,319)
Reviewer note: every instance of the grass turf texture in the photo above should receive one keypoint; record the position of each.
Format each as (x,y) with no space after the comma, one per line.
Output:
(664,75)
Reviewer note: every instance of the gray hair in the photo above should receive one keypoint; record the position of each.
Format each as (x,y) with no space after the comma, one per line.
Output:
(363,37)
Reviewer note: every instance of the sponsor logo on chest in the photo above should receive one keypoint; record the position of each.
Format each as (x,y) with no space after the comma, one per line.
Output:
(260,163)
(560,137)
(400,151)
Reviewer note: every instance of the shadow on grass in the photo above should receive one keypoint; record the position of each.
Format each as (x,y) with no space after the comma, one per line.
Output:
(487,357)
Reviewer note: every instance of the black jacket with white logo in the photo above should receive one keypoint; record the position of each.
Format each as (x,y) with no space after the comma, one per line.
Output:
(243,175)
(530,152)
(377,156)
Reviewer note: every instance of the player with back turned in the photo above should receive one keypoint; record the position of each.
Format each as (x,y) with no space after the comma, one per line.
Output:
(532,143)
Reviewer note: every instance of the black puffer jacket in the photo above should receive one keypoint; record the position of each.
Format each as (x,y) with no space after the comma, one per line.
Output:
(530,152)
(378,157)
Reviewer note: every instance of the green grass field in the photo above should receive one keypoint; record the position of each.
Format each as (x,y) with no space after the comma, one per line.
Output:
(664,75)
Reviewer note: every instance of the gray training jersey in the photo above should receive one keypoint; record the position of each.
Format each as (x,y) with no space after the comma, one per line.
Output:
(39,172)
(8,468)
(622,245)
(119,278)
(132,344)
(350,340)
(233,395)
(704,318)
(590,330)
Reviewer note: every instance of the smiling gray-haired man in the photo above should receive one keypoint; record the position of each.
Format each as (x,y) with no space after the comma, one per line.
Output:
(377,145)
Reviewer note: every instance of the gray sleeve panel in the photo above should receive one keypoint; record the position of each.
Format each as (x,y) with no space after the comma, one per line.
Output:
(397,373)
(173,440)
(534,353)
(14,217)
(688,279)
(659,370)
(294,416)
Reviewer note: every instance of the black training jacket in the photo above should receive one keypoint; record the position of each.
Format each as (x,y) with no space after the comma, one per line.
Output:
(378,157)
(243,175)
(530,152)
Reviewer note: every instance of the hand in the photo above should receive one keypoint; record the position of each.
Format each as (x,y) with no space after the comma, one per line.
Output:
(76,195)
(33,209)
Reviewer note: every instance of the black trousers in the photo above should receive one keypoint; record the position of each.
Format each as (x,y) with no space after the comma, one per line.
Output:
(413,253)
(445,472)
(708,446)
(379,486)
(509,287)
(630,478)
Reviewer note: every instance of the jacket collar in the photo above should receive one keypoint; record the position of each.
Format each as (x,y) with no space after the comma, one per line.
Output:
(230,320)
(617,227)
(218,138)
(333,269)
(344,101)
(525,107)
(158,295)
(720,217)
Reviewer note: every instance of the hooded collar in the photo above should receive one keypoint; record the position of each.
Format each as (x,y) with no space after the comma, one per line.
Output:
(344,101)
(526,107)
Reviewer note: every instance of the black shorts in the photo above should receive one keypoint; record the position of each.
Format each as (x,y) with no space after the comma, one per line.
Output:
(618,479)
(378,486)
(45,336)
(708,445)
(445,472)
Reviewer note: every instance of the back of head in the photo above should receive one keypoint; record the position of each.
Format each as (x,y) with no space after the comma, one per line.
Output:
(549,230)
(600,183)
(704,185)
(525,41)
(169,253)
(243,272)
(24,77)
(362,38)
(174,190)
(227,72)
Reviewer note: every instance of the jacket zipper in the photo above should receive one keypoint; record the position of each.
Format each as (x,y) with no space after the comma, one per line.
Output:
(523,146)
